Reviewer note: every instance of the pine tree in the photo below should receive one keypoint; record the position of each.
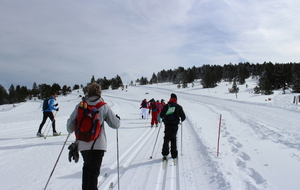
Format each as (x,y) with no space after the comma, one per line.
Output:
(153,79)
(66,90)
(34,91)
(21,93)
(234,89)
(45,91)
(296,85)
(209,79)
(3,95)
(93,79)
(104,83)
(75,87)
(265,85)
(55,88)
(12,94)
(143,81)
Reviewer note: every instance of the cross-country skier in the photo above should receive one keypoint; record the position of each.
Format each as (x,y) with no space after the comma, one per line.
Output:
(160,107)
(93,151)
(144,107)
(153,108)
(171,113)
(47,112)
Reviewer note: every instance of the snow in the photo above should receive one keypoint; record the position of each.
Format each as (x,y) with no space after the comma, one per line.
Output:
(259,142)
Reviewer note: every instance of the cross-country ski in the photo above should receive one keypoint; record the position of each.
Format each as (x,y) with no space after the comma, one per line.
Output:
(105,176)
(164,162)
(174,161)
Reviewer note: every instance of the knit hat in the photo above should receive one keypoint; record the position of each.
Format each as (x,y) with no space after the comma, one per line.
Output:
(173,96)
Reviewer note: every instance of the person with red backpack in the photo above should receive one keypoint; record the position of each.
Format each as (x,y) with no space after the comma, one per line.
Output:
(92,151)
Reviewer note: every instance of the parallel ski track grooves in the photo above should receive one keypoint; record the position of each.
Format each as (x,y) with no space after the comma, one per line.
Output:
(125,160)
(160,178)
(171,176)
(168,177)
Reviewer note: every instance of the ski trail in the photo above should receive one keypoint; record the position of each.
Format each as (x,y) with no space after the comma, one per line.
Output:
(170,176)
(160,179)
(127,158)
(206,174)
(206,170)
(173,177)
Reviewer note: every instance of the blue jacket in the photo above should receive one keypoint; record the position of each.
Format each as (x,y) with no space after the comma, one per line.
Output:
(51,106)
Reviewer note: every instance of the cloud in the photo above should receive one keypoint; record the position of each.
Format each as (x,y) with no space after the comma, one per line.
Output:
(67,42)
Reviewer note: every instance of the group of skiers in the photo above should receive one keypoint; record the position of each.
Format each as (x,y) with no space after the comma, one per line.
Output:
(154,108)
(93,151)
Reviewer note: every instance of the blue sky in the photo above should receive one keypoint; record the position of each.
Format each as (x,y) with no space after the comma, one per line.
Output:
(66,42)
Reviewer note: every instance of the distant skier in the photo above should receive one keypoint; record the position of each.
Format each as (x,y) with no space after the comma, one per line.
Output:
(160,107)
(93,151)
(48,107)
(171,114)
(153,108)
(144,107)
(162,102)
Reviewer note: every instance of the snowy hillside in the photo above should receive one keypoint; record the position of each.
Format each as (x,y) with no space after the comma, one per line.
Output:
(259,142)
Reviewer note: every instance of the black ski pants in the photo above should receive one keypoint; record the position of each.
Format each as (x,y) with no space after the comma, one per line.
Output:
(170,136)
(91,168)
(45,116)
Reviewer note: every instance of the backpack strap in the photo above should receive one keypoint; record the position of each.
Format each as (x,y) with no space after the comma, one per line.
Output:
(101,103)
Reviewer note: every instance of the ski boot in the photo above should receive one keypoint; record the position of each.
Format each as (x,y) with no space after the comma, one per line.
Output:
(38,134)
(56,134)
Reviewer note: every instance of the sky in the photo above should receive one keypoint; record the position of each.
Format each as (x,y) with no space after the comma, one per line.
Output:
(67,42)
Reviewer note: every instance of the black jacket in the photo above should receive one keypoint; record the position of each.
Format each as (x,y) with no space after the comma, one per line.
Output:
(176,116)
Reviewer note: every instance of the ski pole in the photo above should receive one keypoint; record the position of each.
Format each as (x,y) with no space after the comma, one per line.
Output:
(57,161)
(48,125)
(181,138)
(118,156)
(45,129)
(155,141)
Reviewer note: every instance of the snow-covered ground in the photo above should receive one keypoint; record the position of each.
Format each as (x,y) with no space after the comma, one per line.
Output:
(259,142)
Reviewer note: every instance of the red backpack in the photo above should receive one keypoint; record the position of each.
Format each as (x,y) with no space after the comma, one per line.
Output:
(87,124)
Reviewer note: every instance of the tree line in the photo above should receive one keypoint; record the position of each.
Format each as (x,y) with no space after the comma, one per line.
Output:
(22,93)
(271,76)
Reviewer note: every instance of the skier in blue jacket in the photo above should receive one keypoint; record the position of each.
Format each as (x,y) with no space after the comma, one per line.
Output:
(47,112)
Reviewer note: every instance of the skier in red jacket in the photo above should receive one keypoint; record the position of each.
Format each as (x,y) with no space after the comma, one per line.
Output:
(154,109)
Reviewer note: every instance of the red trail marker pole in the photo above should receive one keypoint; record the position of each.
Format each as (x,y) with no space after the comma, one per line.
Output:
(219,135)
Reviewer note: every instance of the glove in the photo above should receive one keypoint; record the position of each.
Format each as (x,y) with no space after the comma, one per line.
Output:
(118,116)
(56,105)
(57,109)
(73,153)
